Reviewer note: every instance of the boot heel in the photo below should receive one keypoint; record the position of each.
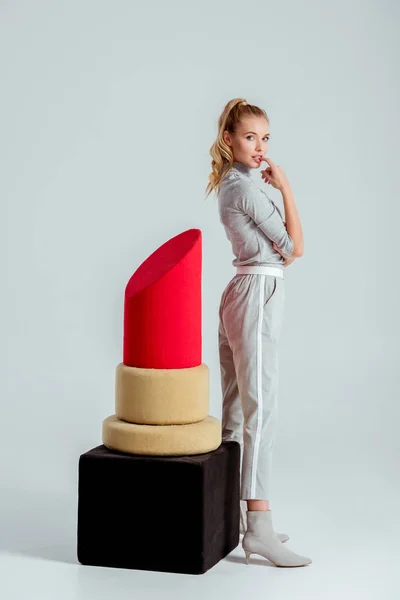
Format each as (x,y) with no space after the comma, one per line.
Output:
(247,553)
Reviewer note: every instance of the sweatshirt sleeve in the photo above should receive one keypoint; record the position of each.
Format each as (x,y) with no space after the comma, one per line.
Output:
(266,215)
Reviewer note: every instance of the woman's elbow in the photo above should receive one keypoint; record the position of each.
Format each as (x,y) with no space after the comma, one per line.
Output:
(297,252)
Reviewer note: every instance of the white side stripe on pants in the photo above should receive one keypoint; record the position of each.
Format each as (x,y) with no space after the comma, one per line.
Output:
(259,386)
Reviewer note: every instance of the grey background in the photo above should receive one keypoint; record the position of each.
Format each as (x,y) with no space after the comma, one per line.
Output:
(108,111)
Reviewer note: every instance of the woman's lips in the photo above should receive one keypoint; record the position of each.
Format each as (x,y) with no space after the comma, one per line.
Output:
(257,158)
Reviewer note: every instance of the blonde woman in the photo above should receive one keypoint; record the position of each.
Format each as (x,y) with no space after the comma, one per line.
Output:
(251,311)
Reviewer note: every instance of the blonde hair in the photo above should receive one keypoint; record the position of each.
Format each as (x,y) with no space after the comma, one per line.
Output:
(221,153)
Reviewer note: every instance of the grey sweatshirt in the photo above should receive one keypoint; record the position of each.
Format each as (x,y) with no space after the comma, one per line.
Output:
(252,221)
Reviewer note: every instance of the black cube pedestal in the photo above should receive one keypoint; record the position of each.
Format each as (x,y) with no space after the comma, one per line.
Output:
(178,514)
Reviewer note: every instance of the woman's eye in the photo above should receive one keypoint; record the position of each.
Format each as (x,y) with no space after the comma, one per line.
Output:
(250,136)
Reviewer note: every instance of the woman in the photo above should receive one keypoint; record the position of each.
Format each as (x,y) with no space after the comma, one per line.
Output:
(251,312)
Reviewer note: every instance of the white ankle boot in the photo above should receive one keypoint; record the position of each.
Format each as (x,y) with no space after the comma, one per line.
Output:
(260,538)
(243,522)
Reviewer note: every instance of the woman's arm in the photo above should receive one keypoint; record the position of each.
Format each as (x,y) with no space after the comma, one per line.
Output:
(292,223)
(288,259)
(275,176)
(265,214)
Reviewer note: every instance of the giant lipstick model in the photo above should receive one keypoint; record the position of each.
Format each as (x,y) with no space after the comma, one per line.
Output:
(162,386)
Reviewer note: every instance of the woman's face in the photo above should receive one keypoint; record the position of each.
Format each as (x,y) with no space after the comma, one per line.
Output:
(249,141)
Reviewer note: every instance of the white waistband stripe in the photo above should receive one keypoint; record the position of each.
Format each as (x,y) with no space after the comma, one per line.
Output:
(260,270)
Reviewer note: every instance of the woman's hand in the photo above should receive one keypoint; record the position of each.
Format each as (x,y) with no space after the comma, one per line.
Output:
(288,259)
(274,175)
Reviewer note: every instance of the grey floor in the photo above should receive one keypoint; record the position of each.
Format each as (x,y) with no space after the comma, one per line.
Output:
(352,539)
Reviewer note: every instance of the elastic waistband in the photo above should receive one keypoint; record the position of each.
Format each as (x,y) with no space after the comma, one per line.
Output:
(259,270)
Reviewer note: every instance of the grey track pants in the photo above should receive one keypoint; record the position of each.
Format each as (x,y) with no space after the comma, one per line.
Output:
(250,320)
